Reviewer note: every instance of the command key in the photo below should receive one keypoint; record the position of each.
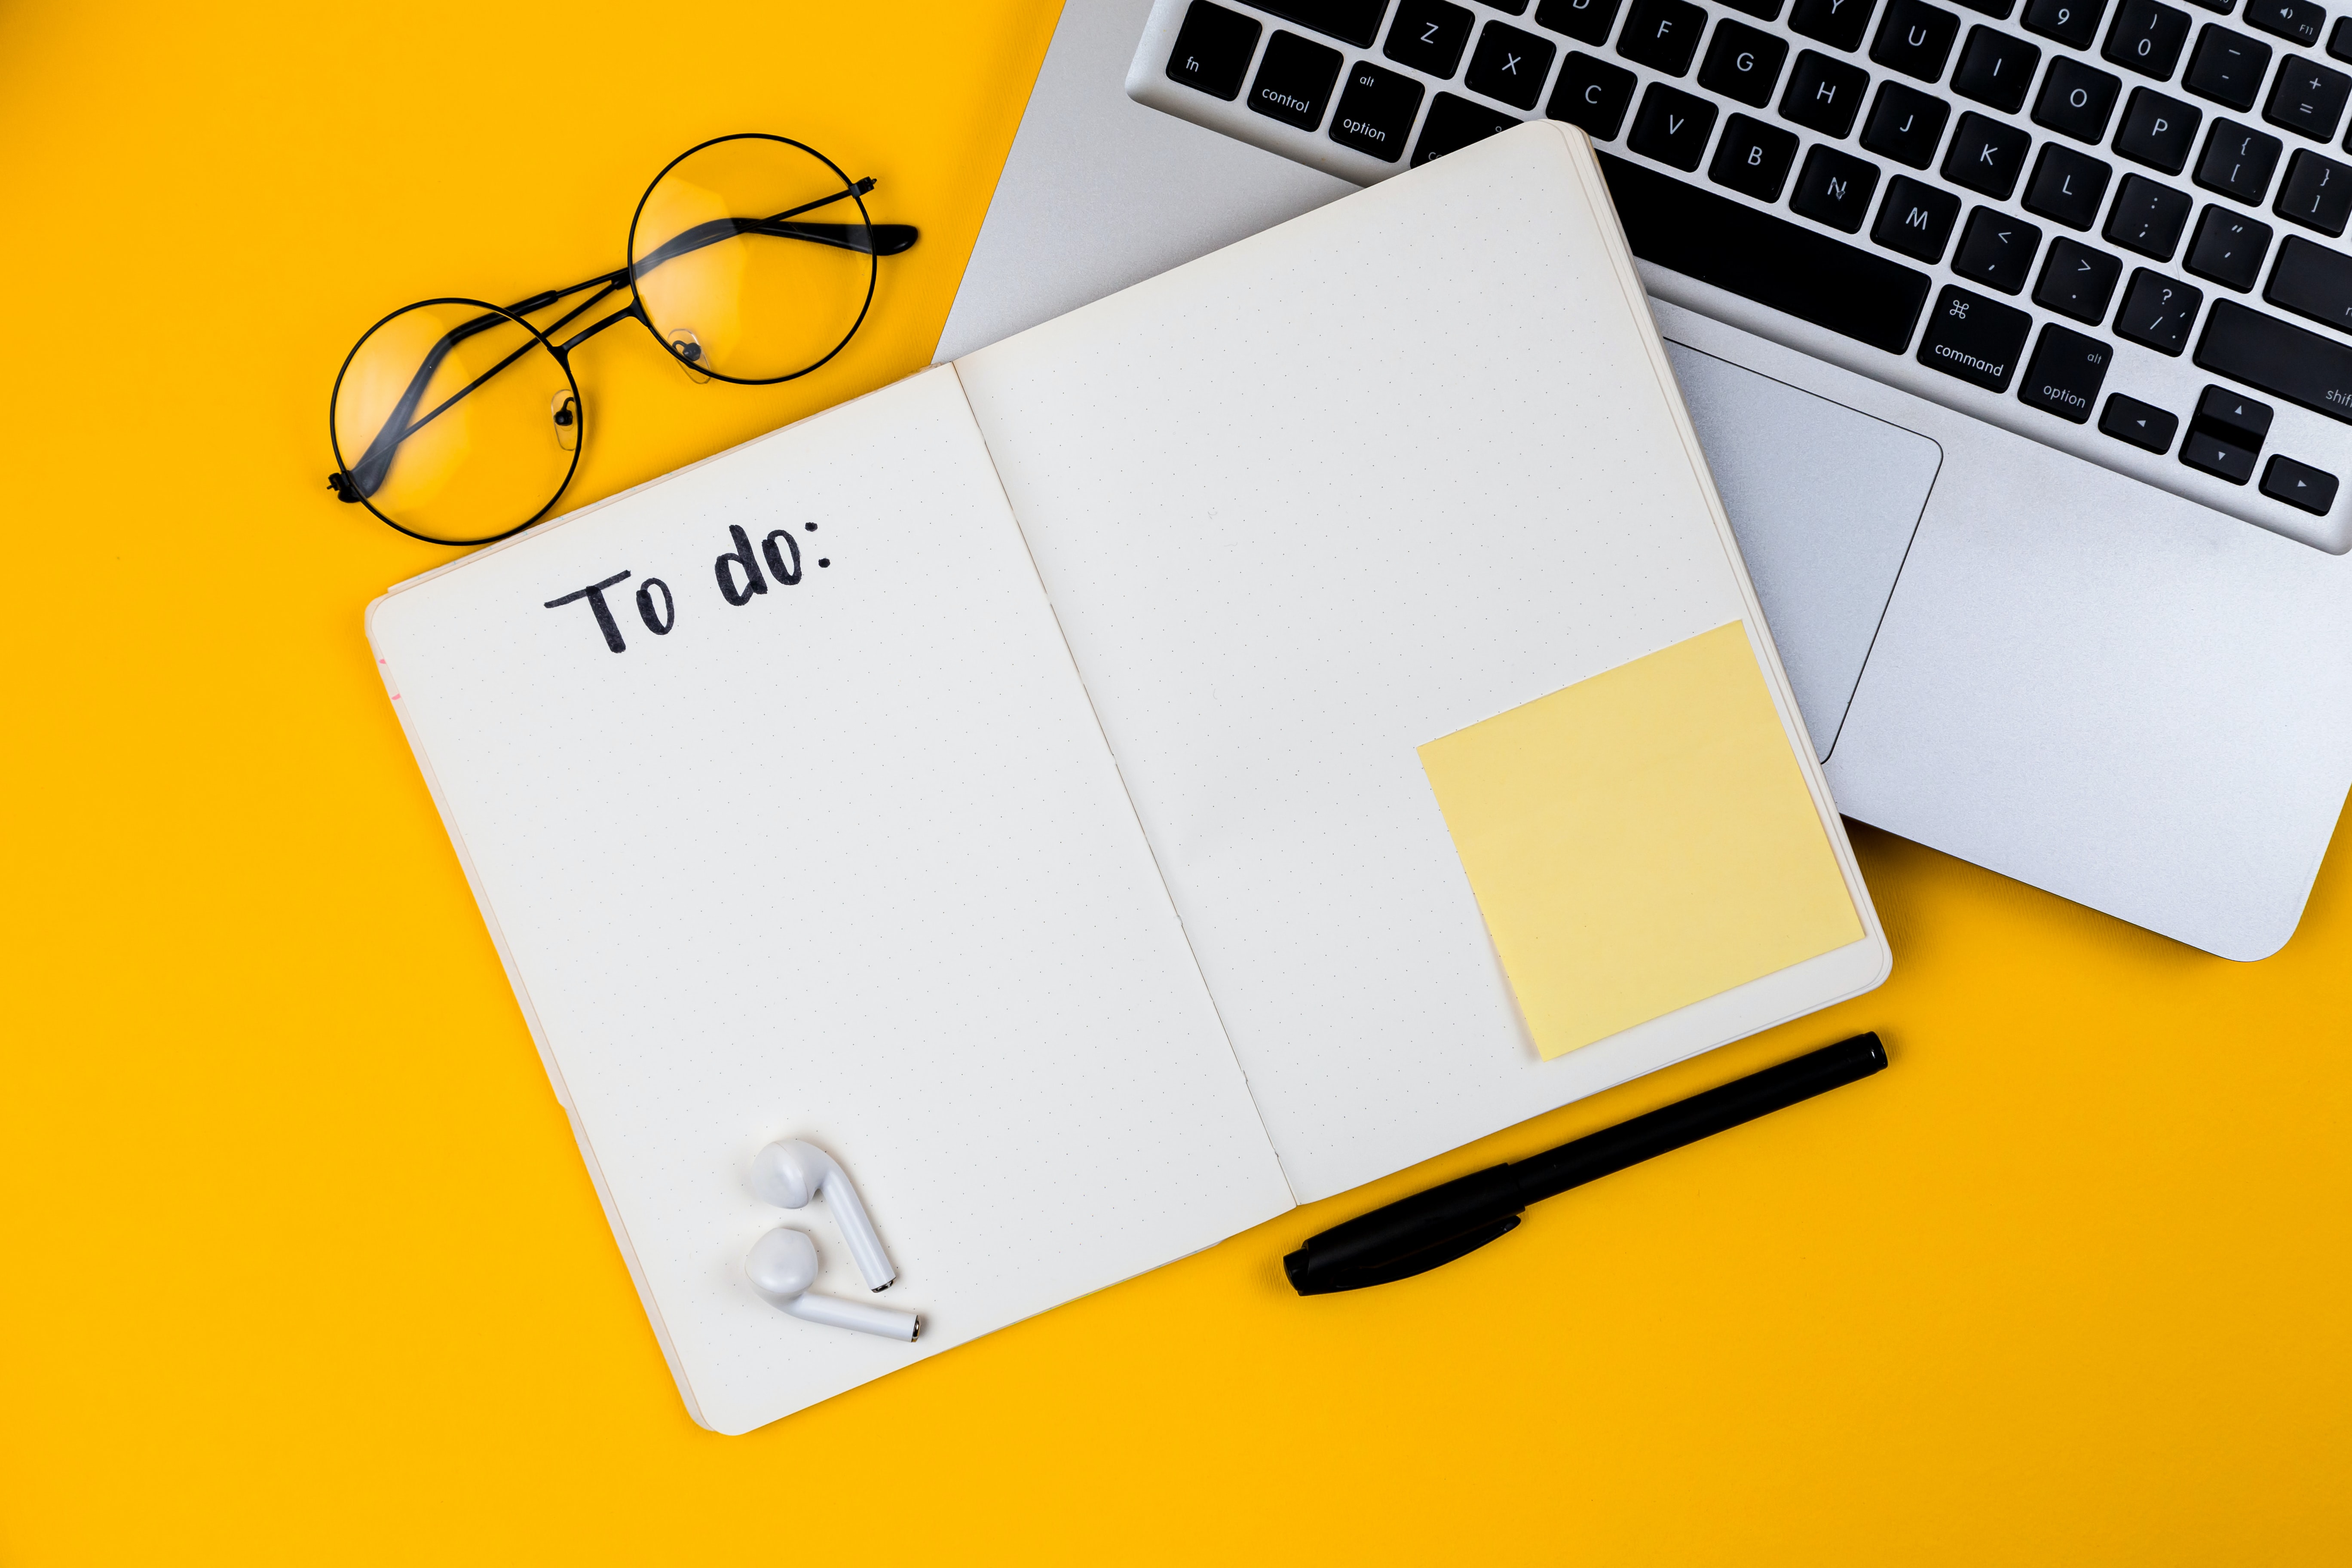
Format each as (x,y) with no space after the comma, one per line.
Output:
(1975,339)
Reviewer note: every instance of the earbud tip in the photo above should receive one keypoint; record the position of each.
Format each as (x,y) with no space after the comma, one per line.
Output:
(781,1264)
(780,1175)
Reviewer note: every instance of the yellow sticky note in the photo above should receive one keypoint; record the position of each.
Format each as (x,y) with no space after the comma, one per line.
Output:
(1640,840)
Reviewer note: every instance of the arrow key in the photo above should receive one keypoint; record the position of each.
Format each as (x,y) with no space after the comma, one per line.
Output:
(2299,485)
(2143,424)
(2234,416)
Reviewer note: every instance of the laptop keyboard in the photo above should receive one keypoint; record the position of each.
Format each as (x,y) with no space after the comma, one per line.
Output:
(2113,225)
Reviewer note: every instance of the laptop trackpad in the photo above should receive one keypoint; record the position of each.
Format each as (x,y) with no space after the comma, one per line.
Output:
(1824,500)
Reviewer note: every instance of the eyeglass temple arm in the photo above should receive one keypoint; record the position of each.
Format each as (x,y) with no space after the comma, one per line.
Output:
(871,239)
(366,476)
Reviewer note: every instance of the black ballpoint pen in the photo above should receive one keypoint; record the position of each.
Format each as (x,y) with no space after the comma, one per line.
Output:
(1417,1234)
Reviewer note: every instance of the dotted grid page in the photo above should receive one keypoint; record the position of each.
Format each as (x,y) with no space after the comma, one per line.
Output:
(847,862)
(1356,483)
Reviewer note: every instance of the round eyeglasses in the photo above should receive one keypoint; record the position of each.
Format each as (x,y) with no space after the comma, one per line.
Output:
(459,422)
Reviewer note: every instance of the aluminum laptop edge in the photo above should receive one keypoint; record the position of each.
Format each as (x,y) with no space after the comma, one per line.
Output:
(2002,649)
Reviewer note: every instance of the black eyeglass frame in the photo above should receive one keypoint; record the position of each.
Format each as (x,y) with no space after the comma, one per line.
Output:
(877,240)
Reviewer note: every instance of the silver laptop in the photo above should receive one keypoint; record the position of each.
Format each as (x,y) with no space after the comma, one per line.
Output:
(2017,339)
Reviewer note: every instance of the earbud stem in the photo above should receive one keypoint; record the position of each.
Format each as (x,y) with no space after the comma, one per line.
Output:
(834,1312)
(857,1230)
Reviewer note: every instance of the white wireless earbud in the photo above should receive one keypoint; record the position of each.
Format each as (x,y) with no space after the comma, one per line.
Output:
(782,1267)
(789,1173)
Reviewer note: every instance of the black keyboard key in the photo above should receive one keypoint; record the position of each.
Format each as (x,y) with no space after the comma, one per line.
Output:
(1762,10)
(2307,99)
(2218,456)
(2077,282)
(1753,158)
(2228,248)
(1376,111)
(1592,93)
(1998,10)
(2226,434)
(2278,357)
(1664,34)
(1996,251)
(2223,6)
(2316,193)
(1995,68)
(2075,100)
(2148,217)
(1295,79)
(2143,424)
(2296,21)
(1823,94)
(1834,188)
(2234,414)
(1987,155)
(1509,65)
(2146,37)
(1349,21)
(1454,123)
(1915,37)
(2157,311)
(2313,281)
(2066,186)
(2227,66)
(2066,372)
(1973,338)
(1840,24)
(2339,40)
(2158,131)
(1213,50)
(1429,35)
(1585,21)
(1905,124)
(1767,259)
(1916,219)
(2073,22)
(1743,63)
(2299,485)
(2238,161)
(1672,126)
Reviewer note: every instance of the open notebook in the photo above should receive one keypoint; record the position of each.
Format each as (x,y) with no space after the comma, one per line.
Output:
(1254,734)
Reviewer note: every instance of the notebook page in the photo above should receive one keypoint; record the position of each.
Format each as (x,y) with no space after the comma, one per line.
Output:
(1303,506)
(846,861)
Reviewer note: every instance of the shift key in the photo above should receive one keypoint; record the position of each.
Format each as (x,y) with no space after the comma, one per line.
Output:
(1975,339)
(2270,355)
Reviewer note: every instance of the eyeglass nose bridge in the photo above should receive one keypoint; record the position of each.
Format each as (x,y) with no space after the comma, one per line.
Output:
(359,480)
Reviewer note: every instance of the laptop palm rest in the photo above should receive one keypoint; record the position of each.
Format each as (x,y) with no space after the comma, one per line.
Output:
(1824,500)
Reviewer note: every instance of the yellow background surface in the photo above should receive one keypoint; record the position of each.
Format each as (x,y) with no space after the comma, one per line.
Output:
(1640,840)
(301,1262)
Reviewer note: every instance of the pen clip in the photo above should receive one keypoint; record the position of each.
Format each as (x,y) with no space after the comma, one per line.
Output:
(1394,1268)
